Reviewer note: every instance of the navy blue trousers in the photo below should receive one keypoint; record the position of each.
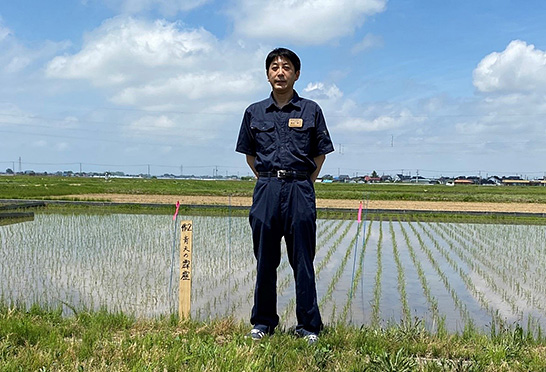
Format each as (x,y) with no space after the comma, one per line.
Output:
(284,208)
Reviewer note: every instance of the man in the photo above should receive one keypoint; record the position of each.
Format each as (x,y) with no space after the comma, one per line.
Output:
(285,140)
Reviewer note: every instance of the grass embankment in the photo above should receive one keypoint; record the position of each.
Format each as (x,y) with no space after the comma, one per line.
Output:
(39,187)
(47,341)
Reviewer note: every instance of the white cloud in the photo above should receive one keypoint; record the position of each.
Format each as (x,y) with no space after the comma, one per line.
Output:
(124,50)
(151,63)
(512,104)
(11,114)
(306,22)
(165,7)
(320,91)
(519,68)
(381,122)
(149,124)
(171,128)
(17,63)
(368,42)
(192,86)
(4,31)
(16,57)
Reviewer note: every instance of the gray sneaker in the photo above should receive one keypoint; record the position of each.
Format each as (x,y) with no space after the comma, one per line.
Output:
(256,334)
(311,339)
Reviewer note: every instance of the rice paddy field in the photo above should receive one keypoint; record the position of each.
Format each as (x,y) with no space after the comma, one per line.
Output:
(376,273)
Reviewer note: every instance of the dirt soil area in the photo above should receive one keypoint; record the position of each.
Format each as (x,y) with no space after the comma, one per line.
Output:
(322,203)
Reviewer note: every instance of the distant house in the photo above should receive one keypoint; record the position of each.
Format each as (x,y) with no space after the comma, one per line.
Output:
(369,179)
(411,179)
(493,180)
(402,178)
(445,181)
(515,182)
(475,179)
(420,179)
(463,181)
(343,178)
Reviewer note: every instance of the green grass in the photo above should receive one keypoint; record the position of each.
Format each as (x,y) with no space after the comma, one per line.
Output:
(41,340)
(41,187)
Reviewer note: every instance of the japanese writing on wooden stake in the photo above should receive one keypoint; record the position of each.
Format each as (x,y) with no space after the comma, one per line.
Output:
(186,241)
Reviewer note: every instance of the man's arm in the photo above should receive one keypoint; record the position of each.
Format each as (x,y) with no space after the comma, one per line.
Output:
(250,160)
(319,160)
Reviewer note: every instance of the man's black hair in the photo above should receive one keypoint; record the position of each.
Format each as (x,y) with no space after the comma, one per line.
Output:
(285,53)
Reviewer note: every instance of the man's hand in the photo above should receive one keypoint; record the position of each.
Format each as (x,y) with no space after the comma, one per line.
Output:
(319,160)
(250,161)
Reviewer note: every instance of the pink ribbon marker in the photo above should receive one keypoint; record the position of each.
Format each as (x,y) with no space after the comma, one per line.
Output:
(360,212)
(176,212)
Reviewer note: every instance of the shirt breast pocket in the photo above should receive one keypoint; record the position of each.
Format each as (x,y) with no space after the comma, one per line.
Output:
(264,134)
(303,137)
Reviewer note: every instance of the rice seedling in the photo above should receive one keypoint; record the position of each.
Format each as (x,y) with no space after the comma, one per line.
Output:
(401,278)
(377,287)
(432,301)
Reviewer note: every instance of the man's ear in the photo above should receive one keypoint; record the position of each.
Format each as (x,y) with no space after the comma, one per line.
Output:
(297,75)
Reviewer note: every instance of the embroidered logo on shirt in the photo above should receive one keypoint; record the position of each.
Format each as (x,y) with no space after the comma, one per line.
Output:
(295,123)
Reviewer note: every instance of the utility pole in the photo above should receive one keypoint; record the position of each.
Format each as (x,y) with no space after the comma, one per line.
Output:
(19,164)
(181,170)
(148,170)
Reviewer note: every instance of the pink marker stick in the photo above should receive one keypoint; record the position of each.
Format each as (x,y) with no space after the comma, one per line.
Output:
(360,212)
(176,212)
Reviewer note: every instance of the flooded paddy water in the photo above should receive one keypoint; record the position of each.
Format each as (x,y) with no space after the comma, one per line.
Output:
(442,273)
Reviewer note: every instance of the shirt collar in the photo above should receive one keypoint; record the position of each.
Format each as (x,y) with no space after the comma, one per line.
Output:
(295,102)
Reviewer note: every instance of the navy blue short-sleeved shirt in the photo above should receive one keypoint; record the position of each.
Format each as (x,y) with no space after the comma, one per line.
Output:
(286,138)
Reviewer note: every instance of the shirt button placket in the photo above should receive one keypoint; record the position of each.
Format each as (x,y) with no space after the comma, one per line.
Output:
(282,136)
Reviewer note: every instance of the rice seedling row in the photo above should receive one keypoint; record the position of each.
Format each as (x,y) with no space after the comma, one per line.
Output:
(431,300)
(347,308)
(377,285)
(401,277)
(460,305)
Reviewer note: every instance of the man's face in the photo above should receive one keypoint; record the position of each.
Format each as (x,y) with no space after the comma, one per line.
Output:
(281,75)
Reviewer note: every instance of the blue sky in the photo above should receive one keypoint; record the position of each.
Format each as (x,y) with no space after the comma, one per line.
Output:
(435,87)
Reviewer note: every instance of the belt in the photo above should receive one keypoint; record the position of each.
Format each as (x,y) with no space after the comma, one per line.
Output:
(285,174)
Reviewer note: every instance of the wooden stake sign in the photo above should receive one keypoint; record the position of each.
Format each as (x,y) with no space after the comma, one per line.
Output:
(184,295)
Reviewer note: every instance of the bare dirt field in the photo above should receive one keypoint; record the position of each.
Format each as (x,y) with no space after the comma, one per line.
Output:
(323,203)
